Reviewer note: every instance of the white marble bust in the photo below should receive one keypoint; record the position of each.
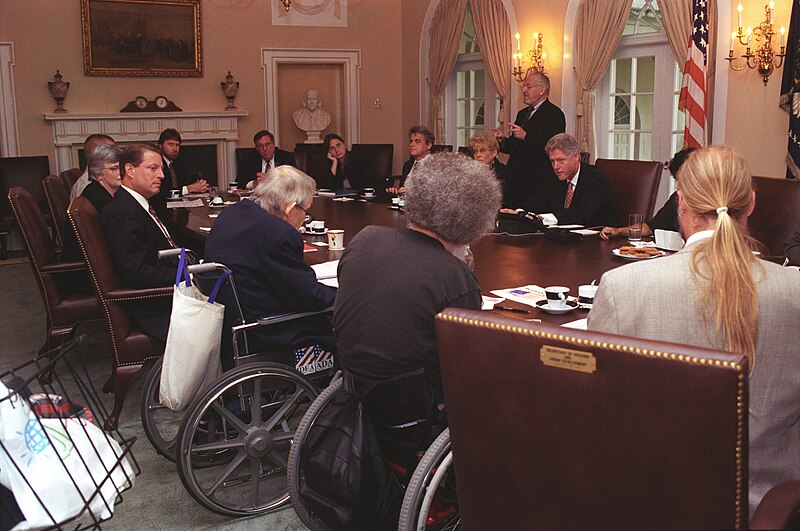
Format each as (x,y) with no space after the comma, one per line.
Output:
(312,118)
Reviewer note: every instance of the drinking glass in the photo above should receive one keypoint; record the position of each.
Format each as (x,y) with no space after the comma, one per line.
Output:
(634,227)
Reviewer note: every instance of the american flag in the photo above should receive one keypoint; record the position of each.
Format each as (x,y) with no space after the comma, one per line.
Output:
(692,99)
(309,360)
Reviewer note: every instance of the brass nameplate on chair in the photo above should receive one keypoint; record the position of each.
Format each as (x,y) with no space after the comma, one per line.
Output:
(573,360)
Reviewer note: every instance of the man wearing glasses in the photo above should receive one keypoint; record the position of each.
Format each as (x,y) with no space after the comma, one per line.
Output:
(267,156)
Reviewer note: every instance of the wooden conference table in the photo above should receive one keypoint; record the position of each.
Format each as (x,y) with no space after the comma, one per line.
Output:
(501,261)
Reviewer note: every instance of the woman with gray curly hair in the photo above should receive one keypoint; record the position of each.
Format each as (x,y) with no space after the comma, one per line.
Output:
(393,281)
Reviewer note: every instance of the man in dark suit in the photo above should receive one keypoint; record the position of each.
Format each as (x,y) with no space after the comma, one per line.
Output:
(579,193)
(529,168)
(420,142)
(135,234)
(266,156)
(176,174)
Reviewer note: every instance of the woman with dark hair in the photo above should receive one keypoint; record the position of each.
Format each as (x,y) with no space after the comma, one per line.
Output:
(716,293)
(344,171)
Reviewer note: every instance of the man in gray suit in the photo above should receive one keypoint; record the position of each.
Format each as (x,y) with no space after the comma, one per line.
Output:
(702,296)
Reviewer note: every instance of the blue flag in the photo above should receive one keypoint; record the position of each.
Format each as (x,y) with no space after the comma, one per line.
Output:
(790,92)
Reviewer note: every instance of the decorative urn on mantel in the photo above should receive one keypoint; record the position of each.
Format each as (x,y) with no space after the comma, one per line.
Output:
(58,89)
(229,88)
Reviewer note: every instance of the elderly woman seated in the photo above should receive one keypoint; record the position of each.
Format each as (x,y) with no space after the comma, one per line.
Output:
(259,241)
(715,293)
(484,147)
(393,281)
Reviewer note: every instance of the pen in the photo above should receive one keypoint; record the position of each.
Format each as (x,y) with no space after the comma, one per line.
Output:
(509,309)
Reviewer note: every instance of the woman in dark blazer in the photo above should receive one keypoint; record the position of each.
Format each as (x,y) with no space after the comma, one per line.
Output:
(344,172)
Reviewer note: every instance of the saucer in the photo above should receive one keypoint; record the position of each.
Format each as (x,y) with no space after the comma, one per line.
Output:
(545,305)
(315,233)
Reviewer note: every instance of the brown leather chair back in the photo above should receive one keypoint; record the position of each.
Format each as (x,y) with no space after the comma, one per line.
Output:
(63,286)
(376,160)
(555,428)
(777,212)
(86,222)
(634,184)
(57,201)
(301,159)
(27,172)
(437,148)
(465,150)
(70,177)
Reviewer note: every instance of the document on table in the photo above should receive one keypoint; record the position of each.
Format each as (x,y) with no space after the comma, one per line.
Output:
(184,203)
(578,324)
(326,273)
(529,295)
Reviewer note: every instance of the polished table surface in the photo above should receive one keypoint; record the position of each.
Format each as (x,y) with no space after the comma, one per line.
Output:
(501,261)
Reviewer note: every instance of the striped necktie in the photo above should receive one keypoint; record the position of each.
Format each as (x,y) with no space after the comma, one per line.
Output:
(570,192)
(163,228)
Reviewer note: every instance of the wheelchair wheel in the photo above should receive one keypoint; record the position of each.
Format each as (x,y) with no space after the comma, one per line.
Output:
(234,442)
(160,423)
(430,500)
(294,476)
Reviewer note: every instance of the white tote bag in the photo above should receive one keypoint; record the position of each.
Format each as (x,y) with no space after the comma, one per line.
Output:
(191,357)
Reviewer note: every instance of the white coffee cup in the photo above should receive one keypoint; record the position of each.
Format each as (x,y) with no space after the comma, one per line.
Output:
(335,239)
(557,297)
(396,201)
(232,185)
(317,226)
(217,201)
(369,192)
(175,194)
(586,293)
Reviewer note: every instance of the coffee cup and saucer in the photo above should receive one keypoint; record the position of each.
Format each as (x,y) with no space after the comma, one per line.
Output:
(217,202)
(557,301)
(316,227)
(368,193)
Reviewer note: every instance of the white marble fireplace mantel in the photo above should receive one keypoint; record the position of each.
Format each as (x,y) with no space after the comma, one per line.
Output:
(220,128)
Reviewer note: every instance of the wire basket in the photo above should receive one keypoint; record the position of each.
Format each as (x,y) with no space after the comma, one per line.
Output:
(57,466)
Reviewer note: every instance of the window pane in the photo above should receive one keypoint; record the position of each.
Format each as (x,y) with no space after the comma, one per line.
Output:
(644,112)
(480,76)
(643,146)
(469,44)
(622,75)
(643,18)
(622,111)
(619,145)
(645,74)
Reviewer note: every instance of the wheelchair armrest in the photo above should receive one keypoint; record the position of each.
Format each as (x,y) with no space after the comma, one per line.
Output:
(63,267)
(778,507)
(123,294)
(274,319)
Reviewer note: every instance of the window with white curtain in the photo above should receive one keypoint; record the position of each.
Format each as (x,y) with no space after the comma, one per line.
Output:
(471,102)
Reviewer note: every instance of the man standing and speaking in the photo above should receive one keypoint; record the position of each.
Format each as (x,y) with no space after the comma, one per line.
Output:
(528,165)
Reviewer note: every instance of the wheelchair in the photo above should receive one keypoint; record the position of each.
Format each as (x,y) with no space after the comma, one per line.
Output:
(231,444)
(429,500)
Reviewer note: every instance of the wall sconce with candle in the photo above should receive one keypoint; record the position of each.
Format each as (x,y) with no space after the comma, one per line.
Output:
(535,55)
(763,58)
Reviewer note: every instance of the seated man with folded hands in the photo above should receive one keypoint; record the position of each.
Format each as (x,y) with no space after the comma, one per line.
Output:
(579,194)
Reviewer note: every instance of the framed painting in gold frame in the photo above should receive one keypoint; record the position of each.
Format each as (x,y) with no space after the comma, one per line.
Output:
(159,38)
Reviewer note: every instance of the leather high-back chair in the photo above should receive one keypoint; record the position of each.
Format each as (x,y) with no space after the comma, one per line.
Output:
(301,159)
(436,148)
(64,286)
(70,177)
(555,428)
(28,173)
(777,212)
(376,161)
(634,184)
(131,348)
(465,150)
(57,201)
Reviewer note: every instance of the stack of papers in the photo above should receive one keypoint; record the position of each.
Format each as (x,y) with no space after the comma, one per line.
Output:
(326,273)
(529,295)
(185,203)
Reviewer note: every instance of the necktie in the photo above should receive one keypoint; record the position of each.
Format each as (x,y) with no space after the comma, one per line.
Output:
(531,110)
(173,176)
(570,191)
(162,227)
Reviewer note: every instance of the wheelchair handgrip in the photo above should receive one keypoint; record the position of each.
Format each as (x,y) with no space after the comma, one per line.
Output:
(166,253)
(205,267)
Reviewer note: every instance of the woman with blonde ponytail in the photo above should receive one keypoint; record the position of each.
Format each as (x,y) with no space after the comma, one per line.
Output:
(716,293)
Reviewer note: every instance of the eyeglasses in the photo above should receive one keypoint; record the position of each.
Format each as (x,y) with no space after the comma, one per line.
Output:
(482,150)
